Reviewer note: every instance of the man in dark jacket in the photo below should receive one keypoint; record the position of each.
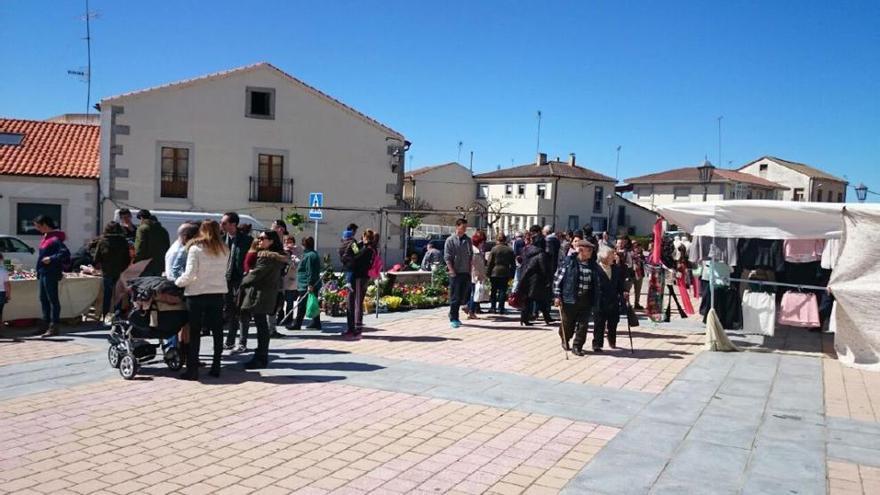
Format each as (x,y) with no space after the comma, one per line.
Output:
(501,268)
(576,294)
(53,259)
(553,246)
(238,244)
(151,243)
(113,258)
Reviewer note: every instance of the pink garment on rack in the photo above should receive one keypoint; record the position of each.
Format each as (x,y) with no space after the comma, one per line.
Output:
(799,309)
(658,242)
(695,284)
(803,250)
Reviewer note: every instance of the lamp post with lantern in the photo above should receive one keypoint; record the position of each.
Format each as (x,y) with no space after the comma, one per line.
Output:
(862,192)
(706,170)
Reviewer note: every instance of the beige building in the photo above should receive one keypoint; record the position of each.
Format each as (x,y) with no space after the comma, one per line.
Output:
(546,192)
(682,185)
(48,168)
(254,140)
(447,188)
(802,182)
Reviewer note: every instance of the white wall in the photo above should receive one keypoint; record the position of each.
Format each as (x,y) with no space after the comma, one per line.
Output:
(781,175)
(77,198)
(664,194)
(445,188)
(325,149)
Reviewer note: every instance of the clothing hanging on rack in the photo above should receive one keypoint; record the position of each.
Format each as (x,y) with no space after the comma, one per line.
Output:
(830,253)
(656,287)
(760,253)
(759,312)
(799,309)
(728,306)
(725,250)
(683,291)
(803,250)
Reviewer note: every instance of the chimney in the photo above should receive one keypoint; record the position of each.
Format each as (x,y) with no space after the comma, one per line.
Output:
(571,159)
(542,159)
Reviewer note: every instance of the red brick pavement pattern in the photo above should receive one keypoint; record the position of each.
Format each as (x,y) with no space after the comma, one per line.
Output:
(852,479)
(502,345)
(850,392)
(278,436)
(28,350)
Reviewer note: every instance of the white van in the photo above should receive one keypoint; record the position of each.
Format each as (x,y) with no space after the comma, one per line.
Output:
(171,220)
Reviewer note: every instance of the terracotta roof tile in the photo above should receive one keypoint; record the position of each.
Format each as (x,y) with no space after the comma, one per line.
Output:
(692,175)
(51,149)
(551,169)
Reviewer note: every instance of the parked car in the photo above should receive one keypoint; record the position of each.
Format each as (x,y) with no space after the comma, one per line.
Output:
(18,252)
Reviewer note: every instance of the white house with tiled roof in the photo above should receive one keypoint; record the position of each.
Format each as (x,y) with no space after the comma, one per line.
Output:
(255,140)
(48,168)
(548,192)
(682,185)
(802,182)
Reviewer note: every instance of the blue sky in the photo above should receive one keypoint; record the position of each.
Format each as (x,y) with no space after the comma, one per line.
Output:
(795,79)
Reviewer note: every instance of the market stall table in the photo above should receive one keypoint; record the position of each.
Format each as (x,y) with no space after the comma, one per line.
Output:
(76,292)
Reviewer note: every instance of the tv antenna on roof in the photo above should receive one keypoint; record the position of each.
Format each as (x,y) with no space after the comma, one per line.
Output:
(85,73)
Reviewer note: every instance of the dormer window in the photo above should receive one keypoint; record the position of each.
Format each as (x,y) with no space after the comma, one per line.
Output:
(260,103)
(11,138)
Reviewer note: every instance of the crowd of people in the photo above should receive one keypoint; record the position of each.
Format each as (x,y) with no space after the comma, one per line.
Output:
(231,277)
(582,275)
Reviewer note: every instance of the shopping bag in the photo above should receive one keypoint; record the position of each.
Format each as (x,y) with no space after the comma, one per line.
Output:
(312,307)
(481,292)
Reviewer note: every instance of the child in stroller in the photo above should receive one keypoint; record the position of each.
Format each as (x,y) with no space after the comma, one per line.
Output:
(157,312)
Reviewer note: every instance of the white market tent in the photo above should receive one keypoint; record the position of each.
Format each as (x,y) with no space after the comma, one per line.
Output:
(855,281)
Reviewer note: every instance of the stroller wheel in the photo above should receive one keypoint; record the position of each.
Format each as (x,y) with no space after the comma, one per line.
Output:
(128,366)
(172,359)
(113,356)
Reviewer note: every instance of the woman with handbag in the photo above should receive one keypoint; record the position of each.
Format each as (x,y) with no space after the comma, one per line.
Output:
(260,287)
(536,281)
(611,296)
(478,273)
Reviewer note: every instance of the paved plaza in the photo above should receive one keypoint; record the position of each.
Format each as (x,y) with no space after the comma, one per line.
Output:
(417,407)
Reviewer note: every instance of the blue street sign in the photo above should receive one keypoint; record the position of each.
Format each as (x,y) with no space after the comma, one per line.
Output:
(316,201)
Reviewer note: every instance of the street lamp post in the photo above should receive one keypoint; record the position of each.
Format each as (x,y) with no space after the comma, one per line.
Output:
(862,192)
(706,170)
(609,200)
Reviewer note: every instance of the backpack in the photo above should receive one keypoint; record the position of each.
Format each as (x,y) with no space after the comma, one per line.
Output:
(376,266)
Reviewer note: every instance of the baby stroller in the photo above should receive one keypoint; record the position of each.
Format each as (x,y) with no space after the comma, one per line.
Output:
(157,312)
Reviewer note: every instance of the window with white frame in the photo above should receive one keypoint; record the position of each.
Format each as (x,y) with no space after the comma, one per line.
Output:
(542,190)
(598,197)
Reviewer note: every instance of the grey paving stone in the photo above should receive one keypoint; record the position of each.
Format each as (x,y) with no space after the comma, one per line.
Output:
(700,390)
(745,388)
(667,485)
(847,424)
(646,435)
(787,461)
(703,374)
(732,431)
(674,408)
(736,406)
(463,394)
(711,463)
(808,431)
(619,472)
(806,399)
(764,485)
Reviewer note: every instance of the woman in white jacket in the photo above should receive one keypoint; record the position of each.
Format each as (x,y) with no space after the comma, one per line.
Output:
(204,281)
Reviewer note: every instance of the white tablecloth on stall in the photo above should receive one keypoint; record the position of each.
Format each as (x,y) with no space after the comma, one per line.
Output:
(75,293)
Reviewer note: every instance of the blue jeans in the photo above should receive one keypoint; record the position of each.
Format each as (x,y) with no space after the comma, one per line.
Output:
(459,293)
(49,301)
(499,293)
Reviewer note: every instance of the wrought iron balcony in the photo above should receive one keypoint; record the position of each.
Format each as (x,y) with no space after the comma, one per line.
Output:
(271,190)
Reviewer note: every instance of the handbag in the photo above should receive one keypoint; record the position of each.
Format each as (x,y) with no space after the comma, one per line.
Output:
(515,300)
(631,317)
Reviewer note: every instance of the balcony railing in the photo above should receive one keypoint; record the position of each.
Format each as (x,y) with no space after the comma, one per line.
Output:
(265,190)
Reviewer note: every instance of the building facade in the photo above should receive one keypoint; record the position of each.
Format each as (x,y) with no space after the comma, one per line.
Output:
(803,182)
(682,185)
(447,188)
(254,140)
(49,168)
(561,194)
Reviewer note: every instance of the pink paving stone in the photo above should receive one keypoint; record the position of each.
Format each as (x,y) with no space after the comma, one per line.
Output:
(417,475)
(604,432)
(366,483)
(400,486)
(472,487)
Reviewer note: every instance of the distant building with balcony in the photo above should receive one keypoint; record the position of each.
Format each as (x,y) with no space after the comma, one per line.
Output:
(682,185)
(550,192)
(802,182)
(252,139)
